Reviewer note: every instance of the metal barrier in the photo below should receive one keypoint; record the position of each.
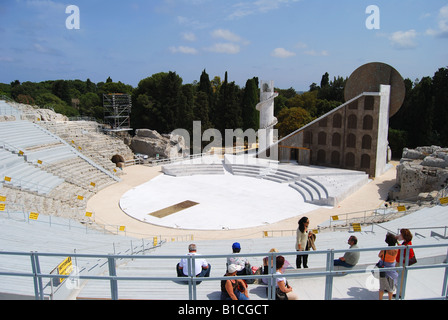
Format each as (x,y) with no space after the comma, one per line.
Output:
(327,275)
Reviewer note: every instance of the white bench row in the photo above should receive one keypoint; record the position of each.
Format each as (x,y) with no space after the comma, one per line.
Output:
(192,169)
(22,175)
(24,134)
(313,192)
(262,172)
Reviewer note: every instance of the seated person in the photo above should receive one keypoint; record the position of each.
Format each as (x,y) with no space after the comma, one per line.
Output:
(201,267)
(233,289)
(243,267)
(266,266)
(350,259)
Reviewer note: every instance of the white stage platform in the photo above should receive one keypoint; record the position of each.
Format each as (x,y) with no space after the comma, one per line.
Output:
(237,193)
(225,202)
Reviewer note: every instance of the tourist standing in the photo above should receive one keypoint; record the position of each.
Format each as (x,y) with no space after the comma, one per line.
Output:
(389,280)
(301,242)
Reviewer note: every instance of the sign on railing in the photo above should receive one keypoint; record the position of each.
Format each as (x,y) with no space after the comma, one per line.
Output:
(65,268)
(33,216)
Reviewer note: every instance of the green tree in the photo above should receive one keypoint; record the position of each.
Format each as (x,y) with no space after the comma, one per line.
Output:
(306,100)
(249,113)
(325,82)
(228,107)
(397,142)
(61,89)
(440,90)
(291,119)
(201,111)
(90,105)
(185,114)
(164,92)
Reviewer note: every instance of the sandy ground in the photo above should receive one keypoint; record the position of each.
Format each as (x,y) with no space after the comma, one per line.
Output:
(106,209)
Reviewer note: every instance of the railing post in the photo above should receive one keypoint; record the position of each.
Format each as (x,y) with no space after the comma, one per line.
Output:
(113,282)
(445,281)
(190,277)
(272,281)
(329,277)
(38,287)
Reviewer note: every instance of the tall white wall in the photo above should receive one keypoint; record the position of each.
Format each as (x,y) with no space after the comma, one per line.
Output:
(383,131)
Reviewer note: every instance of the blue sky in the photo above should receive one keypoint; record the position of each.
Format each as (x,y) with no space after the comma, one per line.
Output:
(293,42)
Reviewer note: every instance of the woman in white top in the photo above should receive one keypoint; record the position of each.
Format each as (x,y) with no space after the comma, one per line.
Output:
(282,284)
(302,239)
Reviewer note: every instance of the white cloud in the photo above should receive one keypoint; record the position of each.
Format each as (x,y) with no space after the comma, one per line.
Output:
(243,9)
(190,23)
(227,48)
(282,53)
(404,39)
(189,36)
(228,36)
(184,50)
(310,51)
(232,46)
(442,24)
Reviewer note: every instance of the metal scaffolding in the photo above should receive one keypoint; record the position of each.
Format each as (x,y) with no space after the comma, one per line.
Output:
(117,111)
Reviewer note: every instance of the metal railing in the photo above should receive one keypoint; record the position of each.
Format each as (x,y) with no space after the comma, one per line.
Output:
(87,225)
(327,275)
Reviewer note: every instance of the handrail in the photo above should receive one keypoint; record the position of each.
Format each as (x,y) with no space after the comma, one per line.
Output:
(328,274)
(92,225)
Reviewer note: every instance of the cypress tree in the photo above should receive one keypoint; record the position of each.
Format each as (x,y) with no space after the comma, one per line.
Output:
(250,115)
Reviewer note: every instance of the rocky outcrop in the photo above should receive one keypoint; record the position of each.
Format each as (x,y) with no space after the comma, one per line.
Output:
(421,170)
(151,143)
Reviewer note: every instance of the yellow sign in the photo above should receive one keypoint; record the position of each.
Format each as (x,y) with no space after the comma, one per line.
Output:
(444,200)
(89,214)
(401,208)
(34,216)
(335,218)
(80,198)
(65,268)
(93,184)
(21,152)
(122,228)
(357,227)
(155,241)
(2,199)
(39,161)
(315,231)
(8,179)
(2,207)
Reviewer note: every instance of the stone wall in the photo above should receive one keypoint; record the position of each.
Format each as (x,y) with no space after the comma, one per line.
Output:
(151,143)
(421,170)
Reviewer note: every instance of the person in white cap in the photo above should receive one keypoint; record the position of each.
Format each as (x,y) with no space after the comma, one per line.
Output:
(233,289)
